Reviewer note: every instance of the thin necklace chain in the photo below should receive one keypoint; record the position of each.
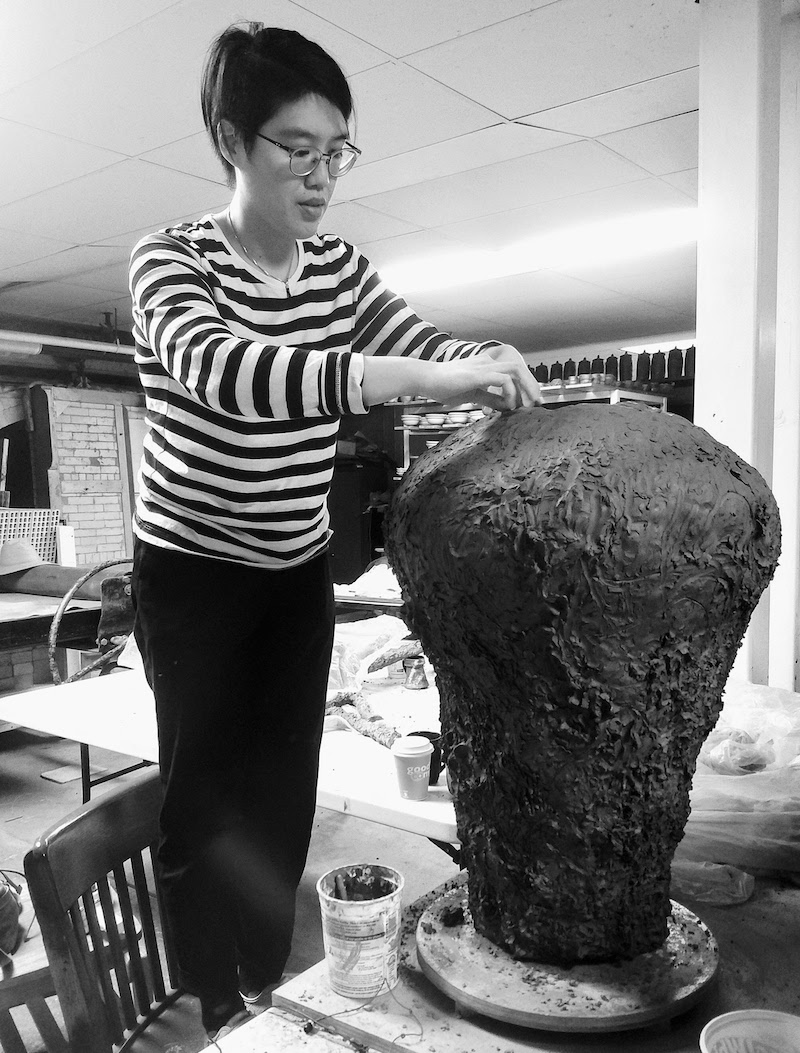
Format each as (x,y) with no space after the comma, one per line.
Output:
(243,247)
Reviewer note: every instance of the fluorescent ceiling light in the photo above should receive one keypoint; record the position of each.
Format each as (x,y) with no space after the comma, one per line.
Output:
(611,241)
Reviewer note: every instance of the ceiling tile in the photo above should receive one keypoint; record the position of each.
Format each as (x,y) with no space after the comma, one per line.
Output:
(40,34)
(408,247)
(19,247)
(572,169)
(360,225)
(522,297)
(128,238)
(99,115)
(352,50)
(113,278)
(133,111)
(496,231)
(529,296)
(49,160)
(566,51)
(193,155)
(130,112)
(69,263)
(557,310)
(123,197)
(629,324)
(465,325)
(664,146)
(460,154)
(668,278)
(413,25)
(650,100)
(48,298)
(684,181)
(399,109)
(89,314)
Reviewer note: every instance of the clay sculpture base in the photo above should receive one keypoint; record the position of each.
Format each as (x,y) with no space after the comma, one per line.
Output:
(482,978)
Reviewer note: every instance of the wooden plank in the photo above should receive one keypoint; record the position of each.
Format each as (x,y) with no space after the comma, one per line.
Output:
(280,1032)
(415,1015)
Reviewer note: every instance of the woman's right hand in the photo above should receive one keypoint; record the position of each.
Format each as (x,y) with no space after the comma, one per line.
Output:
(495,379)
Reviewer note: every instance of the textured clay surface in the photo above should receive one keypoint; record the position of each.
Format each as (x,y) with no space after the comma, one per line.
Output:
(581,580)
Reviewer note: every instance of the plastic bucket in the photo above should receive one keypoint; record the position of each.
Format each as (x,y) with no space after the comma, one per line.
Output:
(360,907)
(752,1031)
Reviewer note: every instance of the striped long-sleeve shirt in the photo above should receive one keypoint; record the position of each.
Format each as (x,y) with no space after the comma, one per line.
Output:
(245,381)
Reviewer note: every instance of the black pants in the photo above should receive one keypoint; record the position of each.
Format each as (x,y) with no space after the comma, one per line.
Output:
(238,661)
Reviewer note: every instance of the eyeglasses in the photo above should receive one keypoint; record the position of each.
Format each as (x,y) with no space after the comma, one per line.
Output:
(304,159)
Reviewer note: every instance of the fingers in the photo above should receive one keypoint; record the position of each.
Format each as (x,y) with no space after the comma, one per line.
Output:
(504,394)
(501,383)
(530,391)
(527,390)
(515,390)
(528,386)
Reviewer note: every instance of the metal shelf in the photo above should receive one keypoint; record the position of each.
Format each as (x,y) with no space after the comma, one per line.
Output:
(611,393)
(552,396)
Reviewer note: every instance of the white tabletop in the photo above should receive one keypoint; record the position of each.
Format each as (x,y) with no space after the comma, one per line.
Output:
(357,776)
(115,712)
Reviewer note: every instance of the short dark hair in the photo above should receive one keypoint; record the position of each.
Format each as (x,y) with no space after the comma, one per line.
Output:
(251,71)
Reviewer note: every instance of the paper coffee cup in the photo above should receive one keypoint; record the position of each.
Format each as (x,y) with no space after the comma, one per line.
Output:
(412,755)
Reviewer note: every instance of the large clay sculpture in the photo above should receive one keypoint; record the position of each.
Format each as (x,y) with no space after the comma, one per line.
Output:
(581,579)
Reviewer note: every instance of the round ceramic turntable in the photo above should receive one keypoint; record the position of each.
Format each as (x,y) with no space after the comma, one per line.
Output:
(482,978)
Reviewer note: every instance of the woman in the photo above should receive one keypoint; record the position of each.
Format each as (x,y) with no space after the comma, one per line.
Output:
(254,335)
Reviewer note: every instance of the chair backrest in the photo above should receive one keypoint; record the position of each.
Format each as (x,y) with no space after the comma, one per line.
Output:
(92,887)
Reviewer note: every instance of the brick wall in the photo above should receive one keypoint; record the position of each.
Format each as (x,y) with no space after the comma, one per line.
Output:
(88,463)
(92,466)
(83,465)
(25,668)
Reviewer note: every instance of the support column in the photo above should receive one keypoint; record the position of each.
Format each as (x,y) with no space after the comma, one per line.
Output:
(737,247)
(784,668)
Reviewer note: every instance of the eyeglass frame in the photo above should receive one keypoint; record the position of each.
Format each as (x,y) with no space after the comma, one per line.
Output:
(327,158)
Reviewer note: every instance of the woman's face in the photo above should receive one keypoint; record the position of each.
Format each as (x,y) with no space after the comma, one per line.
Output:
(283,204)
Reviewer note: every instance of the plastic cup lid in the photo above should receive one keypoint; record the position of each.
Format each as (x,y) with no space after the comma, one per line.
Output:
(412,745)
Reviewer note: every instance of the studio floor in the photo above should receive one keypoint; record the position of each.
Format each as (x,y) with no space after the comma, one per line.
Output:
(29,804)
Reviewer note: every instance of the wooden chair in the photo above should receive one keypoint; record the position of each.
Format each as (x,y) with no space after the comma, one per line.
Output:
(91,884)
(27,982)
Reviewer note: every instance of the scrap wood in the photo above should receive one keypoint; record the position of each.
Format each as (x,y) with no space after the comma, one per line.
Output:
(408,648)
(358,713)
(378,730)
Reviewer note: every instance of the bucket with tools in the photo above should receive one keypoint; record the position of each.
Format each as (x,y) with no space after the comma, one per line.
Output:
(360,906)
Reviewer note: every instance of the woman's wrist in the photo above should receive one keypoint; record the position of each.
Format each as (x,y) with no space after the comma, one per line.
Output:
(388,378)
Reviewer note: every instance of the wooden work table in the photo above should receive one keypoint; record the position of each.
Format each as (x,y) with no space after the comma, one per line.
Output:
(30,598)
(25,621)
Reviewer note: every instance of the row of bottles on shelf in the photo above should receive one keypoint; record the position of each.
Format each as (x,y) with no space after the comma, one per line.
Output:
(643,368)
